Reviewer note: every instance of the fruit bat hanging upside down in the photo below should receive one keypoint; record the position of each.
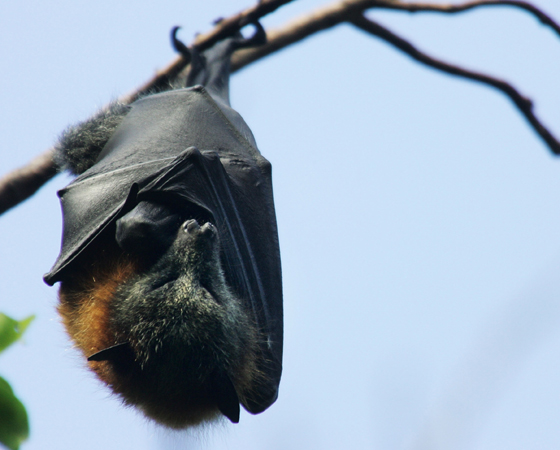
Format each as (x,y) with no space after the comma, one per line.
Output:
(169,271)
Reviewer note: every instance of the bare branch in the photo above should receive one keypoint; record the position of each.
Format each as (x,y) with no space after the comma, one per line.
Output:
(298,29)
(333,14)
(524,104)
(351,10)
(22,183)
(34,175)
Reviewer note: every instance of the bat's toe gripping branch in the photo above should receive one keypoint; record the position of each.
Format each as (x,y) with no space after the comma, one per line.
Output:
(258,38)
(179,46)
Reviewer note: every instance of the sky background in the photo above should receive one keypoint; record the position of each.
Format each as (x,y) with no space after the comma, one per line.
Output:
(418,215)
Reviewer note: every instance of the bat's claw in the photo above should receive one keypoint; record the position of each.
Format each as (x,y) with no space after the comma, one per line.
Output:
(258,38)
(116,352)
(179,46)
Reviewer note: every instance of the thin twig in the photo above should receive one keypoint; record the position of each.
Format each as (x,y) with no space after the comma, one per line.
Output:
(524,104)
(544,18)
(351,10)
(333,14)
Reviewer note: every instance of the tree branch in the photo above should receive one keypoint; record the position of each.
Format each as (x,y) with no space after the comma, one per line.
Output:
(333,14)
(545,19)
(298,29)
(24,182)
(522,103)
(20,184)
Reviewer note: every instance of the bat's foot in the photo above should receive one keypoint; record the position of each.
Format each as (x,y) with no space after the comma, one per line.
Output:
(179,46)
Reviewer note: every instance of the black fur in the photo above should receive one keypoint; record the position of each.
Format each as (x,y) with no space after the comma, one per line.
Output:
(154,311)
(188,332)
(80,144)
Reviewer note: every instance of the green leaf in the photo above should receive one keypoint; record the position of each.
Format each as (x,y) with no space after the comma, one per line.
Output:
(11,330)
(14,426)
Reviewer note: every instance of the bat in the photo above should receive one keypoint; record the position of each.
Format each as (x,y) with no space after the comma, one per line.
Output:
(169,269)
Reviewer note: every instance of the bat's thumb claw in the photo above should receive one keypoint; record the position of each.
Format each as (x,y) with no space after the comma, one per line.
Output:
(226,397)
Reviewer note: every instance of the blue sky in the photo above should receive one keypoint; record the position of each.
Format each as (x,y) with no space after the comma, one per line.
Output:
(418,218)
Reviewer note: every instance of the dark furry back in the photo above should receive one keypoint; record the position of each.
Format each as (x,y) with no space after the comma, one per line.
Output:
(79,145)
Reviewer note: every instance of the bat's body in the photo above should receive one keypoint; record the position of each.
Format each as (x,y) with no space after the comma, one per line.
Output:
(170,268)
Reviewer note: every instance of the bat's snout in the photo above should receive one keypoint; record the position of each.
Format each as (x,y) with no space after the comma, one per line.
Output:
(192,227)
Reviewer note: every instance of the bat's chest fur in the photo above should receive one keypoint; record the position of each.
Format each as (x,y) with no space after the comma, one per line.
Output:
(176,326)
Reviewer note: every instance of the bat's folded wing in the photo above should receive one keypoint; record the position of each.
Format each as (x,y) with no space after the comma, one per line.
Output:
(243,214)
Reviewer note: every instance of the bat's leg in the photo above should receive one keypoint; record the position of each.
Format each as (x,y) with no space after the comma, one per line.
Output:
(179,46)
(212,68)
(192,56)
(79,145)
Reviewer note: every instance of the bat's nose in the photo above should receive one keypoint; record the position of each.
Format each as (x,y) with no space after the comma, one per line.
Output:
(209,229)
(191,226)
